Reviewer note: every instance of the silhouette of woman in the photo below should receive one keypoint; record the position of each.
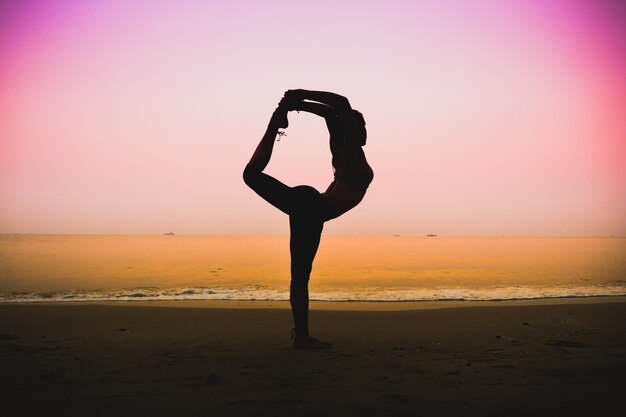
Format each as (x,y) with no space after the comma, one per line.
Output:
(307,208)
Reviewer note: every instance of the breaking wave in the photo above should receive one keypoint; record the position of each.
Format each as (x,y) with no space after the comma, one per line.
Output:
(261,293)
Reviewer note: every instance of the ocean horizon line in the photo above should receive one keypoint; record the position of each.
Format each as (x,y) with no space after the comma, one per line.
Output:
(286,235)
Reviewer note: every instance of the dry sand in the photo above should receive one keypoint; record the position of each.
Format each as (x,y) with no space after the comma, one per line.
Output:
(513,359)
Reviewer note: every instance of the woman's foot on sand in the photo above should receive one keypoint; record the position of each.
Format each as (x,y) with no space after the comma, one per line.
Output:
(308,342)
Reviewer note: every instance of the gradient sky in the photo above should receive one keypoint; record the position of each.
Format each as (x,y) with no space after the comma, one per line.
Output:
(484,117)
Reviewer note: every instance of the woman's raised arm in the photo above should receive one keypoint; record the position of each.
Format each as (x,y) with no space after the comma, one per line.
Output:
(319,109)
(336,101)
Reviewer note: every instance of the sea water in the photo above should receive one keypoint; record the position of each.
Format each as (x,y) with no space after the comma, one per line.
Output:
(64,268)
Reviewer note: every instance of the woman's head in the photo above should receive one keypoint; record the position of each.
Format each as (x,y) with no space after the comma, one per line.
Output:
(360,124)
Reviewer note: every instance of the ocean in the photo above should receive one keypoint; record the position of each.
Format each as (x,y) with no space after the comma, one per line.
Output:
(69,268)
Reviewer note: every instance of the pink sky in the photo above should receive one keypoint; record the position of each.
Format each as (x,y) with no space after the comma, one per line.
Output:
(484,117)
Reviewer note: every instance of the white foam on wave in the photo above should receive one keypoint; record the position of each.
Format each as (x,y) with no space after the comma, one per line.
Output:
(372,294)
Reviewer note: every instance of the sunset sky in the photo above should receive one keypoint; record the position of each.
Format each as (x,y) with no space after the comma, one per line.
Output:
(484,117)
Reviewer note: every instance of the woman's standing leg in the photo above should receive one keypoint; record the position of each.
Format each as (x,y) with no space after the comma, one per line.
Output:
(306,223)
(305,239)
(304,242)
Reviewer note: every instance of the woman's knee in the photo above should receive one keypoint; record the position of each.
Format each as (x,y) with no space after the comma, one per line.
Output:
(250,173)
(299,283)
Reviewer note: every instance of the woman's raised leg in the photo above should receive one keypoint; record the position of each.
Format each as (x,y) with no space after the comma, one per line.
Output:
(269,188)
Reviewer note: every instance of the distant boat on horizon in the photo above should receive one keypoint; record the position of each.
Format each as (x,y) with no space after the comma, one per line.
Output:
(169,234)
(431,235)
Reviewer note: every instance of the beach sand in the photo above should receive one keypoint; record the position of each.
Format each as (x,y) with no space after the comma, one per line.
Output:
(229,358)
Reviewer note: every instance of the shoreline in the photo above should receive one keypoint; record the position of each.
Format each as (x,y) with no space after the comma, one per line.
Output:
(335,305)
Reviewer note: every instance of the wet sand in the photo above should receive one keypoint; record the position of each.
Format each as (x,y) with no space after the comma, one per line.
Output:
(487,359)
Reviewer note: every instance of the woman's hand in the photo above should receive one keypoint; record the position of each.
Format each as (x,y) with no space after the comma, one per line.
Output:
(291,101)
(295,95)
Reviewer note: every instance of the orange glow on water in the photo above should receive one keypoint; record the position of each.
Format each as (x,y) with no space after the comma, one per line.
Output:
(362,264)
